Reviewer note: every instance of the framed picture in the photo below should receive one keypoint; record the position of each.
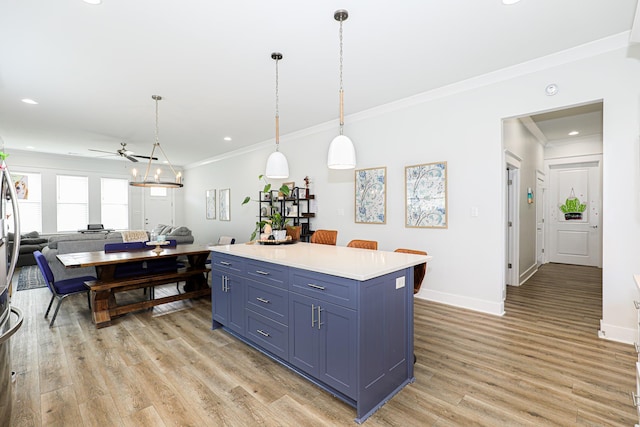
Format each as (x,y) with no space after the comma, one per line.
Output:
(224,205)
(371,196)
(426,195)
(210,202)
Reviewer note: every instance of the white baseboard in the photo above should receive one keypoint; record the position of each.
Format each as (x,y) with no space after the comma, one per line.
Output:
(495,308)
(617,333)
(528,273)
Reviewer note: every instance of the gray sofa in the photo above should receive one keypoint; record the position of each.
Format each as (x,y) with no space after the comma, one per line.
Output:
(90,242)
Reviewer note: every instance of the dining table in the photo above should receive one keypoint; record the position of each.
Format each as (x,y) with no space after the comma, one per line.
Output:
(103,290)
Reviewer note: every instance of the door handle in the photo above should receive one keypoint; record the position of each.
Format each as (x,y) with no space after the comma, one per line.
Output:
(594,226)
(5,337)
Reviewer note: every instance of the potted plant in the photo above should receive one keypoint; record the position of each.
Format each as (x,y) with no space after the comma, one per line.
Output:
(278,226)
(276,217)
(572,207)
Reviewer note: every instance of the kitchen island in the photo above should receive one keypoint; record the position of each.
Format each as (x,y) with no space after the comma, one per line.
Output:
(340,317)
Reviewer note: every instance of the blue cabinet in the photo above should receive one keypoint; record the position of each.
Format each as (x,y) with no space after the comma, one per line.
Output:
(352,338)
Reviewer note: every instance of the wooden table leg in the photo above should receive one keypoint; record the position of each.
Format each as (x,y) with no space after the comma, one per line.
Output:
(100,301)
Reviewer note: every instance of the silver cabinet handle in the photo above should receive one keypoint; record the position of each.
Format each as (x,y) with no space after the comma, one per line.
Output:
(634,398)
(222,283)
(313,315)
(311,285)
(637,304)
(263,333)
(225,263)
(319,321)
(264,273)
(265,301)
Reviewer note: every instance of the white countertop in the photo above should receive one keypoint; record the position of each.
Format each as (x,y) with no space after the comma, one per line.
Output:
(352,263)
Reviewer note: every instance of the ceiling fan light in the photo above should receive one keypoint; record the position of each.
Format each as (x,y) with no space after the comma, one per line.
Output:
(342,154)
(277,166)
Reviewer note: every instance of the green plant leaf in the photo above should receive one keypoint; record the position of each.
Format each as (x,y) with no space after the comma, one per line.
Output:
(246,200)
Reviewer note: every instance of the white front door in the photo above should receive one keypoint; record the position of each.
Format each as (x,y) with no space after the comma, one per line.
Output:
(575,235)
(158,207)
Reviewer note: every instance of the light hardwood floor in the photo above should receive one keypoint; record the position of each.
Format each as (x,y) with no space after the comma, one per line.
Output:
(540,364)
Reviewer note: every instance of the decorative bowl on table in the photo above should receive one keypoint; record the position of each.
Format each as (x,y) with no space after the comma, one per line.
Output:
(158,245)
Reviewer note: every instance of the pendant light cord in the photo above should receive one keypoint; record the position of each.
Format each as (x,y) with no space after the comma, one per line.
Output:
(341,86)
(277,111)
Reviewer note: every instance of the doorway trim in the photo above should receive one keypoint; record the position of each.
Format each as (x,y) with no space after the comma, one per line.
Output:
(512,220)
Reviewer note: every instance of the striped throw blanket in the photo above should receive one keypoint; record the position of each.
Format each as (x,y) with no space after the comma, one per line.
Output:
(134,236)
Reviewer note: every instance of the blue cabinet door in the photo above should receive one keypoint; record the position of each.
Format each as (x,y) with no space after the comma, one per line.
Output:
(219,297)
(303,333)
(337,346)
(322,341)
(236,292)
(227,300)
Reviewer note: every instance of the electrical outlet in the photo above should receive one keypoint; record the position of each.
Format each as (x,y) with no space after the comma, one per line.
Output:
(400,282)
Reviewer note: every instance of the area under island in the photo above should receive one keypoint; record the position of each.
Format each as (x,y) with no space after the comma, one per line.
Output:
(340,317)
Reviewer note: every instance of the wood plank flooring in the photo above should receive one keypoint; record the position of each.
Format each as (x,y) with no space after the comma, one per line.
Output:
(540,364)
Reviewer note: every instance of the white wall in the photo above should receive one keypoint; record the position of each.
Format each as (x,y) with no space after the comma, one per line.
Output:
(460,124)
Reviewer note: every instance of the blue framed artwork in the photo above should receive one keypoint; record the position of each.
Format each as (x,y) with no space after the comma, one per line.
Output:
(371,196)
(426,195)
(210,199)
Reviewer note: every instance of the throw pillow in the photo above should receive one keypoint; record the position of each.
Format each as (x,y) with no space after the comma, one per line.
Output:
(180,231)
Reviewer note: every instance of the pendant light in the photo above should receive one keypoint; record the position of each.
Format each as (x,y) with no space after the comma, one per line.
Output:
(157,179)
(277,165)
(342,154)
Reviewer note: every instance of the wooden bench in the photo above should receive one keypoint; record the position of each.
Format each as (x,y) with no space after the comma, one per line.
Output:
(105,307)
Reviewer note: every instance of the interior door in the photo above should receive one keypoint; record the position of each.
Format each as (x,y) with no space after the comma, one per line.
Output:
(575,235)
(539,200)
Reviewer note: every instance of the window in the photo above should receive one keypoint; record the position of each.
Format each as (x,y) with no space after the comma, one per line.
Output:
(158,191)
(114,205)
(73,202)
(29,189)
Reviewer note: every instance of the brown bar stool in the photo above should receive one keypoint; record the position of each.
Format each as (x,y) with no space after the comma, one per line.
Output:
(363,244)
(324,237)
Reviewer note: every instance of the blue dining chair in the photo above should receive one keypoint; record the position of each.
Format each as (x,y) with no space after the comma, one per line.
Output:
(62,288)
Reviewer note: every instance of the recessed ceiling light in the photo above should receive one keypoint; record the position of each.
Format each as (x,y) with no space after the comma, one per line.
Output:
(551,89)
(93,1)
(573,133)
(507,2)
(30,147)
(29,101)
(227,138)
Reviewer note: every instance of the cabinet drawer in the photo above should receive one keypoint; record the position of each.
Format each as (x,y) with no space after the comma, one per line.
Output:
(325,287)
(269,301)
(228,263)
(272,274)
(266,333)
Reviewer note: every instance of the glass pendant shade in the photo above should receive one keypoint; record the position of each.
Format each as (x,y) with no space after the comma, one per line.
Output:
(342,154)
(277,166)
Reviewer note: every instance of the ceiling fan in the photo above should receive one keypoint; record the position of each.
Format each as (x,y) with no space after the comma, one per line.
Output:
(127,154)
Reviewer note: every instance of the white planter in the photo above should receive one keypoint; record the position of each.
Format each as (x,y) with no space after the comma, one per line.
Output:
(279,234)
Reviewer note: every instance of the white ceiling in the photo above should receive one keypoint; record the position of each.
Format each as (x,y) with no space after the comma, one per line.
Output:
(93,69)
